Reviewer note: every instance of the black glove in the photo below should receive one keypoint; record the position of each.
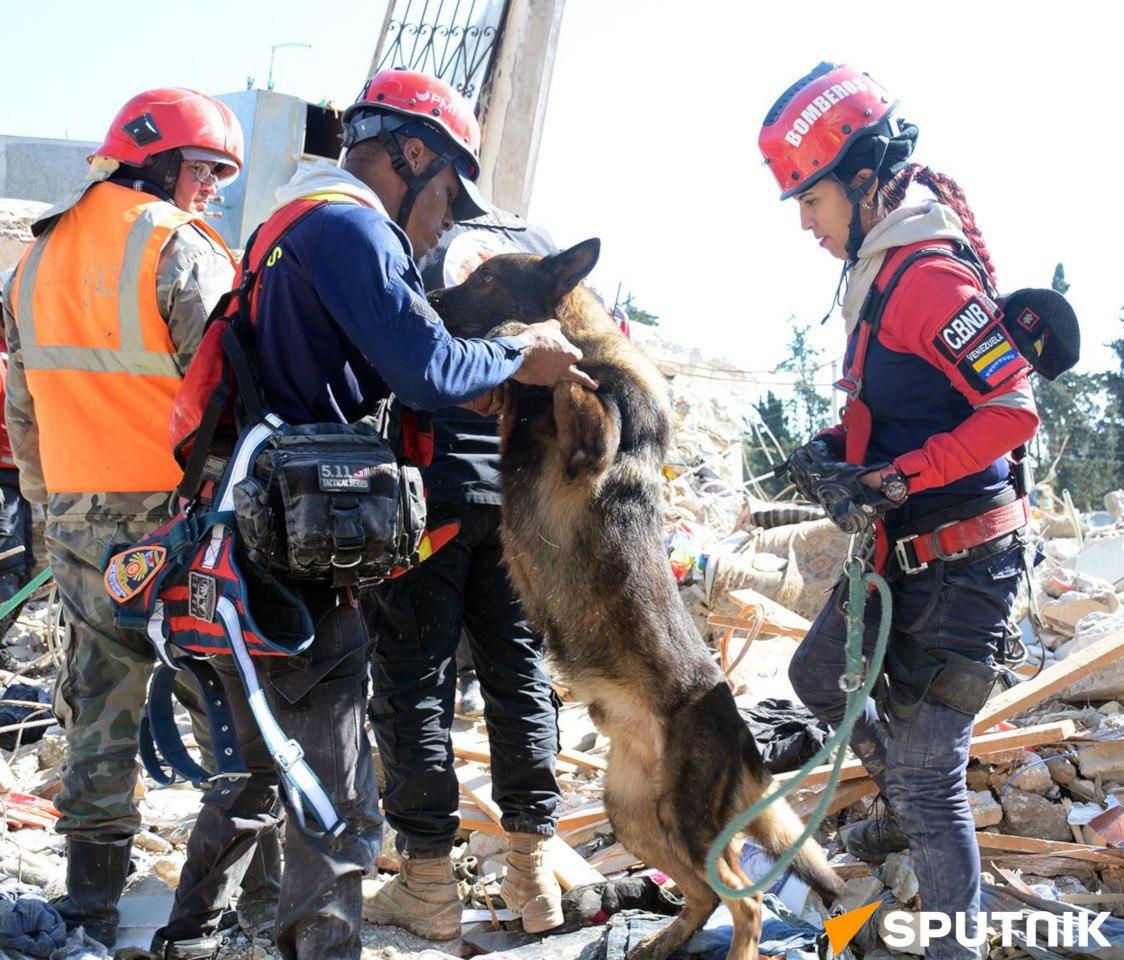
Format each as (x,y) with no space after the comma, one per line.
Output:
(850,504)
(819,476)
(807,464)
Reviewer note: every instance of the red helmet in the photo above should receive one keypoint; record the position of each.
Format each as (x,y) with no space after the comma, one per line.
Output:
(168,118)
(426,107)
(809,129)
(418,96)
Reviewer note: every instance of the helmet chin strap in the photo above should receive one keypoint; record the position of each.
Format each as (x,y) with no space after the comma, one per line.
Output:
(415,182)
(855,233)
(855,195)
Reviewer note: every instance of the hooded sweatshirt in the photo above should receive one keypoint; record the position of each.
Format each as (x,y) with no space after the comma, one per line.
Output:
(342,316)
(946,387)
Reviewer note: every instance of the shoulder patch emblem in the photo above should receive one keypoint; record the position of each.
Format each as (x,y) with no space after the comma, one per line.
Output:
(975,341)
(130,571)
(959,333)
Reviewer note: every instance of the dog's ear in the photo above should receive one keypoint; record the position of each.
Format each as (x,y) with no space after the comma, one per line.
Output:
(570,267)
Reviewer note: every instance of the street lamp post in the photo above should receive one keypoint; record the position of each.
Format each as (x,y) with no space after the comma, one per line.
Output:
(272,52)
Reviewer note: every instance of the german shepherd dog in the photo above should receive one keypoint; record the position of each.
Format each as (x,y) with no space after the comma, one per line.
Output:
(582,537)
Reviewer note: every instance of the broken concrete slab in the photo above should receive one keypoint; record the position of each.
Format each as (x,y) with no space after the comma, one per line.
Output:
(1104,760)
(859,891)
(144,907)
(1103,557)
(1028,774)
(986,811)
(1107,681)
(1062,770)
(1063,615)
(898,874)
(1031,815)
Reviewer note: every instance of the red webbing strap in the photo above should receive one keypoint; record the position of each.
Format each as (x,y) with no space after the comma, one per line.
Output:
(951,538)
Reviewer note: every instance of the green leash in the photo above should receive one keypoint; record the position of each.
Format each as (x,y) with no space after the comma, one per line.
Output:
(26,591)
(858,684)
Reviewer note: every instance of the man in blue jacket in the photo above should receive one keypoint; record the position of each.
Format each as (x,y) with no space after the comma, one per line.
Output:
(342,320)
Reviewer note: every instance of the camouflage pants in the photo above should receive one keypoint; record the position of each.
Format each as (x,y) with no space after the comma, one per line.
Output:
(101,687)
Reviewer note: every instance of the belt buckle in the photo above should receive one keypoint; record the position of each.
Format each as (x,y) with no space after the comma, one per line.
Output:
(903,560)
(289,756)
(935,542)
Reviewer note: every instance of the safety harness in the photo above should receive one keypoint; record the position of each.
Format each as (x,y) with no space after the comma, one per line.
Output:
(183,586)
(964,533)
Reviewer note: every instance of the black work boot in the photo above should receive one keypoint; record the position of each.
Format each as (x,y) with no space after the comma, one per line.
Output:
(202,948)
(873,840)
(95,876)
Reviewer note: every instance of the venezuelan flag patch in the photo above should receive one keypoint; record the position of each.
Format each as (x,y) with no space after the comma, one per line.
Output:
(975,340)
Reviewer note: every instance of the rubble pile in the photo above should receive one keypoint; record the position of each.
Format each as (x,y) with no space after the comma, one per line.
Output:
(1046,779)
(16,217)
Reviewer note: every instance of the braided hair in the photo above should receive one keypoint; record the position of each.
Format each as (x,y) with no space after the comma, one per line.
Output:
(948,192)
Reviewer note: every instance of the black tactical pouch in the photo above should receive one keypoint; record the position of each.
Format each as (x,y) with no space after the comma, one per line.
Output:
(329,503)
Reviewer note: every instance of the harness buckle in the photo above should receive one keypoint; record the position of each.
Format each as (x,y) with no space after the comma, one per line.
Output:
(289,756)
(903,559)
(241,775)
(935,542)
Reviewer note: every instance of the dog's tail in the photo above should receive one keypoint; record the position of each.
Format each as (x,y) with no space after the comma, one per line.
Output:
(777,830)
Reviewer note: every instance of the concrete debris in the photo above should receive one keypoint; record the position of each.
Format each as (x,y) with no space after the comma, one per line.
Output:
(1041,802)
(1106,683)
(16,217)
(986,811)
(898,874)
(1031,815)
(859,891)
(1103,557)
(1104,760)
(1028,774)
(1067,611)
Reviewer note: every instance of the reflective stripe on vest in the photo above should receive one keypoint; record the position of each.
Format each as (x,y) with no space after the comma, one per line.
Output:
(100,363)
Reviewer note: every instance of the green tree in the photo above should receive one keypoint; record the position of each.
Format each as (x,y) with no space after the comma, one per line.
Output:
(637,314)
(1079,440)
(772,425)
(808,409)
(1080,443)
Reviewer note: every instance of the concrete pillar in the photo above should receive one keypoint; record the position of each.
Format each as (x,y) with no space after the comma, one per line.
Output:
(512,119)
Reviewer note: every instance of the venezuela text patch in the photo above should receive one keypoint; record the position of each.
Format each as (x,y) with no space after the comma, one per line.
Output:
(976,342)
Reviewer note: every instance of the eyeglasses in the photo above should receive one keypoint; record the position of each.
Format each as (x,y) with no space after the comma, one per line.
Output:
(204,172)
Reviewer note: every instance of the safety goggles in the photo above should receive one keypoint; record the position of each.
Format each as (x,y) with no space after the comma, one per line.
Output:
(203,171)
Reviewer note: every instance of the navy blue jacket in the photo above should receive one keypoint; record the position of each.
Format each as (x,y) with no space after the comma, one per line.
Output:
(342,319)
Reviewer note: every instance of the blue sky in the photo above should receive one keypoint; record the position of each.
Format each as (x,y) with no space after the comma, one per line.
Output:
(650,138)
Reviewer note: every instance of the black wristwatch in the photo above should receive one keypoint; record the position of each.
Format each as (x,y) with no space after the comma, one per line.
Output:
(894,484)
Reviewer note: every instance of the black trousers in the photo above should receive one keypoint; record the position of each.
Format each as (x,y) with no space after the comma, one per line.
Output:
(319,700)
(416,620)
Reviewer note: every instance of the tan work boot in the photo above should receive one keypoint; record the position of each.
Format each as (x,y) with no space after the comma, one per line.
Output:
(529,886)
(423,899)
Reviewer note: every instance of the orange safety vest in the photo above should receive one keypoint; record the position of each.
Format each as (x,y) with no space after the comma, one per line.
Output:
(97,354)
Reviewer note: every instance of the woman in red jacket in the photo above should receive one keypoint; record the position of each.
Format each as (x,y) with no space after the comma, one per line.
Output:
(937,397)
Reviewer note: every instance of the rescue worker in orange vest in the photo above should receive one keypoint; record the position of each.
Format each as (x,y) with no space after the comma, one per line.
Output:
(102,317)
